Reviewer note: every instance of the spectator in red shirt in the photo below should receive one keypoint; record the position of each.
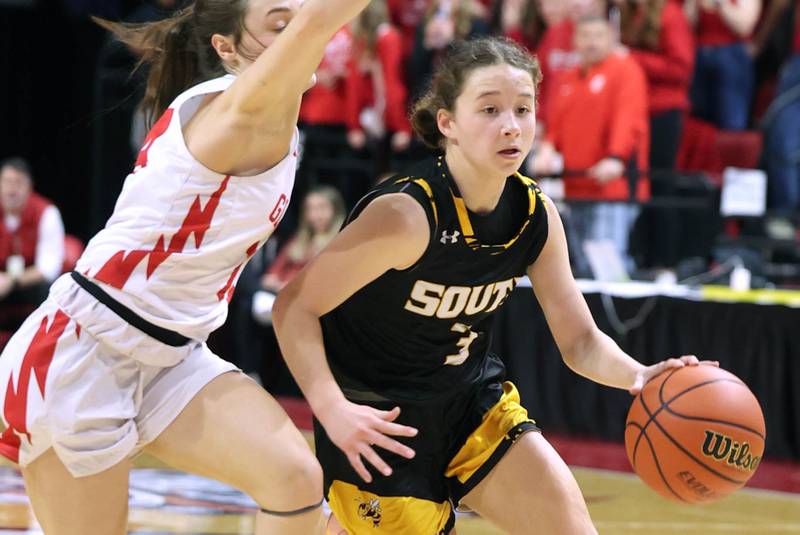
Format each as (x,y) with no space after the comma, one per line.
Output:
(31,244)
(376,90)
(661,41)
(324,103)
(556,49)
(723,80)
(323,119)
(406,16)
(599,124)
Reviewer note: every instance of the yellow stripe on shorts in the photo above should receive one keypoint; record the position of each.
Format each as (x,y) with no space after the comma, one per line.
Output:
(497,422)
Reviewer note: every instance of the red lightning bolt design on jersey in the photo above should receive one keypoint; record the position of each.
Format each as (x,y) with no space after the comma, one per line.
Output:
(119,267)
(157,131)
(227,290)
(37,359)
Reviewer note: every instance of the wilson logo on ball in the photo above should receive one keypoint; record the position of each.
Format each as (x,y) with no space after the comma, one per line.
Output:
(724,448)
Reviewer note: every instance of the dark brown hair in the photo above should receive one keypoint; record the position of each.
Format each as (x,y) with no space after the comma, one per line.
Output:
(640,24)
(178,49)
(448,80)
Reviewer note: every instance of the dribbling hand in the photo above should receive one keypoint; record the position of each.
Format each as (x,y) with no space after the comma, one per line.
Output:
(355,429)
(651,371)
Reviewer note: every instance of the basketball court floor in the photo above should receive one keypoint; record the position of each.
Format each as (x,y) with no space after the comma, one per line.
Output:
(164,501)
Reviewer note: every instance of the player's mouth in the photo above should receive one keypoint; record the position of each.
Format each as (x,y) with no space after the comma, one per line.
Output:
(512,153)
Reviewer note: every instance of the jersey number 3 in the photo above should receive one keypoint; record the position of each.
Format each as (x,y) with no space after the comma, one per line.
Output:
(463,344)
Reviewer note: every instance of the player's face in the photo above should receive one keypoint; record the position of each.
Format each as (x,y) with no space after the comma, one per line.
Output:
(264,21)
(493,123)
(14,189)
(318,212)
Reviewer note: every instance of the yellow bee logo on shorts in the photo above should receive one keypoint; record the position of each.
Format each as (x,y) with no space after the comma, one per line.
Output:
(370,510)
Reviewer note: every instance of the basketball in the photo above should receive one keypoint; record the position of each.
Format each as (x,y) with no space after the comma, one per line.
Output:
(695,434)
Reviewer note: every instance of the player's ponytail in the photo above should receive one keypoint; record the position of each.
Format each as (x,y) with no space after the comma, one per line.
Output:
(423,120)
(170,49)
(178,49)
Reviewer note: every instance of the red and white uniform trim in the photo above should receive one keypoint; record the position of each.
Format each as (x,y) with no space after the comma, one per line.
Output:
(180,234)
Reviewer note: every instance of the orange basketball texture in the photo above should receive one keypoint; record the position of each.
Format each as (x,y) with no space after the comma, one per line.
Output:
(695,434)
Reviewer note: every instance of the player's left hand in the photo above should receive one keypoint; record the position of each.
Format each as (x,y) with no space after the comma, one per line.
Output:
(647,373)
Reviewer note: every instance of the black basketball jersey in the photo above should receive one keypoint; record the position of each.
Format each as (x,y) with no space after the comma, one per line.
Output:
(423,332)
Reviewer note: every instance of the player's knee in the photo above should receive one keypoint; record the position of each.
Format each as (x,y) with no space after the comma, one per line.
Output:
(300,485)
(306,476)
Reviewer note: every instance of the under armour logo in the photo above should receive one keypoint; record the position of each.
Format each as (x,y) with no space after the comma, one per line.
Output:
(452,238)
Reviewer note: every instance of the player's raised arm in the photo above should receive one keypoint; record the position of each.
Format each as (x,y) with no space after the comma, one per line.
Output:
(272,47)
(281,46)
(283,71)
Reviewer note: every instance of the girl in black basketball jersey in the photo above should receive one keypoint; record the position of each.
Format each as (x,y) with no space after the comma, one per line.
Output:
(394,315)
(92,379)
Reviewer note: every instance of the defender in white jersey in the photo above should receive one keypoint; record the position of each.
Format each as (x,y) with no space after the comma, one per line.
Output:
(115,361)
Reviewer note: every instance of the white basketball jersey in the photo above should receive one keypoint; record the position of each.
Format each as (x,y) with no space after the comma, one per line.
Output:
(180,233)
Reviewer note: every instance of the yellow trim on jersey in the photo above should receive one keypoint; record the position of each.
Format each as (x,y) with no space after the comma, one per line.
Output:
(421,182)
(427,187)
(466,225)
(360,512)
(481,444)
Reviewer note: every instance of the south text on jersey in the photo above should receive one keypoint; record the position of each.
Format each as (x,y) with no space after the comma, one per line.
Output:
(430,299)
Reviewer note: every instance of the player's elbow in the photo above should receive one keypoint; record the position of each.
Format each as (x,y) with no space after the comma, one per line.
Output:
(282,307)
(578,347)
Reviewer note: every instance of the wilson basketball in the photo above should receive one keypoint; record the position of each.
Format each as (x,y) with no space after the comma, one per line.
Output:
(695,434)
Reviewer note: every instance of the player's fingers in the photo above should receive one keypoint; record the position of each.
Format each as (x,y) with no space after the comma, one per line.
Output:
(358,466)
(671,363)
(369,454)
(714,363)
(690,360)
(392,445)
(399,430)
(389,416)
